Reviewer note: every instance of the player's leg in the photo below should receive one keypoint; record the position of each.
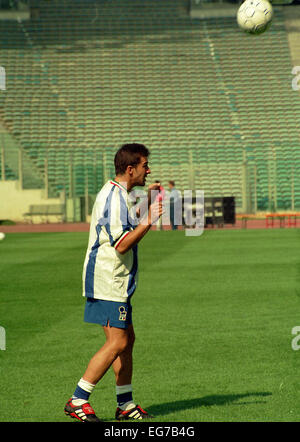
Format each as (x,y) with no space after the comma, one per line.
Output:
(116,351)
(104,358)
(172,216)
(122,367)
(78,406)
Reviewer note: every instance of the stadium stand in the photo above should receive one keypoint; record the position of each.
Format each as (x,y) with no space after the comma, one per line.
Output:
(211,103)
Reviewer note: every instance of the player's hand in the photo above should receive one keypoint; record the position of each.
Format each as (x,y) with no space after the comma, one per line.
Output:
(155,212)
(153,191)
(154,186)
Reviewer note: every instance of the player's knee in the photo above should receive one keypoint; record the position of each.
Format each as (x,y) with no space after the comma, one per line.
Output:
(119,345)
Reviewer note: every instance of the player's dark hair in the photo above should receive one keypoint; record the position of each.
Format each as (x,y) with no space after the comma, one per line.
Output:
(129,155)
(172,183)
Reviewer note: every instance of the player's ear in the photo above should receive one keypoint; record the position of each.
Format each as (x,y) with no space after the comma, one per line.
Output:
(129,170)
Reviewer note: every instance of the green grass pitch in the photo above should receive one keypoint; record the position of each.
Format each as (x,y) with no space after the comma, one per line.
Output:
(213,317)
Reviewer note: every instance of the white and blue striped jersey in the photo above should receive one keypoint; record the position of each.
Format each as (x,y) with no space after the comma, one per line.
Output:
(107,274)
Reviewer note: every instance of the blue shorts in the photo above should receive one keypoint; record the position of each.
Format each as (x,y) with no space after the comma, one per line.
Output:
(116,314)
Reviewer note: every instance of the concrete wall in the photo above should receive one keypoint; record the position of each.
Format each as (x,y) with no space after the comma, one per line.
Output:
(14,202)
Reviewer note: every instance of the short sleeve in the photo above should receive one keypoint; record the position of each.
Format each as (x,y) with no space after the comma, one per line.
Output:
(116,217)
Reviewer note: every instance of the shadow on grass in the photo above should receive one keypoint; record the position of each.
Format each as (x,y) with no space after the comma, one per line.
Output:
(206,401)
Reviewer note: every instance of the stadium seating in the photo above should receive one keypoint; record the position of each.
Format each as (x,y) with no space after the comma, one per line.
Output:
(85,77)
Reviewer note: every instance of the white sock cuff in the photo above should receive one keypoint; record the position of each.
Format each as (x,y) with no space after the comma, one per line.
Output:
(120,389)
(86,386)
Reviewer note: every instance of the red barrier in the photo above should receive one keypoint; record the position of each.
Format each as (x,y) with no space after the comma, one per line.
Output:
(290,217)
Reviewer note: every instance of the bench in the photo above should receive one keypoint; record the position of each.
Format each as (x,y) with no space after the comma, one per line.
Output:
(44,211)
(244,218)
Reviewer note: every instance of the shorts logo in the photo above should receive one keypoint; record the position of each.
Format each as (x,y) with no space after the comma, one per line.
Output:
(123,313)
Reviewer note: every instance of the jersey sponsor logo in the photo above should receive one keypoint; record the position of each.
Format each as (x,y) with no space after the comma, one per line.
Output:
(123,313)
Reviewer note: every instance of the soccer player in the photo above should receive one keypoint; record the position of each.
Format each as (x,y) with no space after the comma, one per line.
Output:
(110,279)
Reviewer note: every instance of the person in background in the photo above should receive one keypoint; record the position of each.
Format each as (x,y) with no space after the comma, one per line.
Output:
(159,198)
(174,201)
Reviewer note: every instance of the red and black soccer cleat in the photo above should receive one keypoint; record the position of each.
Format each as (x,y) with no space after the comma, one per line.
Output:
(83,413)
(134,413)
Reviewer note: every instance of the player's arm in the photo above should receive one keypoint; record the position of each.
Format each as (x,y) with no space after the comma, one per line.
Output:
(132,238)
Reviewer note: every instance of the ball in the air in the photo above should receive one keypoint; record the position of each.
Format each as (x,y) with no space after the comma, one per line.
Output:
(255,16)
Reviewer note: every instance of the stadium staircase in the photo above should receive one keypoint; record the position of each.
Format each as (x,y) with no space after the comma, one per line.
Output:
(31,175)
(213,104)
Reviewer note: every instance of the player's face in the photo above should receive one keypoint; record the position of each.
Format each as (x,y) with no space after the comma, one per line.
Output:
(141,171)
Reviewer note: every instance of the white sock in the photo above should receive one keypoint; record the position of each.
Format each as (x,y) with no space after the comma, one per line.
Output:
(82,392)
(122,390)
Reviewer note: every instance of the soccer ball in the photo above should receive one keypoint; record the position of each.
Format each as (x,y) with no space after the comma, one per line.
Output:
(2,236)
(255,16)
